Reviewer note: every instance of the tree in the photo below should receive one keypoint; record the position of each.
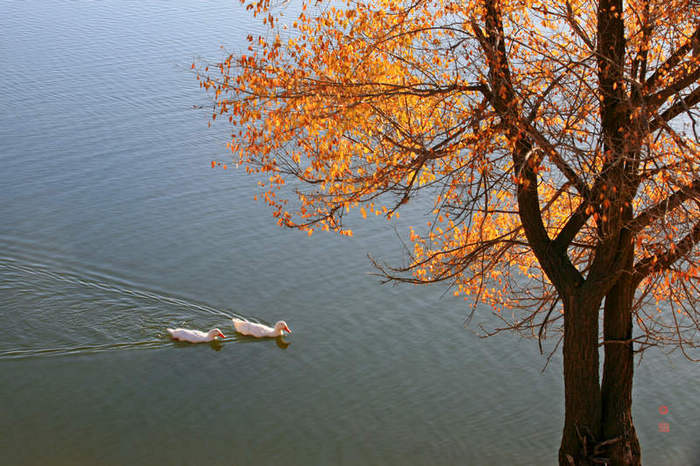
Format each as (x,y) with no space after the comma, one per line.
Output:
(556,140)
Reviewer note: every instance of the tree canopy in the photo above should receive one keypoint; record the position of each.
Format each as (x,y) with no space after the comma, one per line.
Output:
(557,142)
(368,103)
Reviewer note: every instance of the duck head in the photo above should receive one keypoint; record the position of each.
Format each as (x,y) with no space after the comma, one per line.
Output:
(282,326)
(215,332)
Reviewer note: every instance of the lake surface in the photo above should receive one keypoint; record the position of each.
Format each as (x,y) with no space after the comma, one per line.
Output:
(114,226)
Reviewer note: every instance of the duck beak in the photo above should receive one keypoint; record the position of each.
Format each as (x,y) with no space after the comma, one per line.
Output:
(222,335)
(287,329)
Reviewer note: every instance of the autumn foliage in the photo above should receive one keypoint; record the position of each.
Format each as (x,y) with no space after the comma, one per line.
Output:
(557,143)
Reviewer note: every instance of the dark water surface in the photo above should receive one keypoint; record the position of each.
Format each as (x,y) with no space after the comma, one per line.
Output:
(113,226)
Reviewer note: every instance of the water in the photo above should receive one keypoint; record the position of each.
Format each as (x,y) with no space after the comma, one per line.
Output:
(114,226)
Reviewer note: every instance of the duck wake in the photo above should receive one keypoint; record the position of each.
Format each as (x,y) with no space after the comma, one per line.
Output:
(81,313)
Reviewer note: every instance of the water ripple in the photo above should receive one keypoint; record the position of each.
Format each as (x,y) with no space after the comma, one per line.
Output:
(87,349)
(89,307)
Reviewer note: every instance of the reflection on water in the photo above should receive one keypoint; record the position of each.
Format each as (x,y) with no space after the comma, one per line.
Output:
(282,343)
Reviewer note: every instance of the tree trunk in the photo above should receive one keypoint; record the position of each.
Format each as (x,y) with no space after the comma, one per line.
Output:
(581,386)
(618,370)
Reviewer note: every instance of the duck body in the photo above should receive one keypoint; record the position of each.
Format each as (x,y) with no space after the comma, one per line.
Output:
(194,336)
(259,330)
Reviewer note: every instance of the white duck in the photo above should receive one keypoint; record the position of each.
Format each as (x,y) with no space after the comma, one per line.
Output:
(260,330)
(194,336)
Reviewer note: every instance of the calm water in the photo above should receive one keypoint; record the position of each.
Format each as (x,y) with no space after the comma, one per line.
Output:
(113,227)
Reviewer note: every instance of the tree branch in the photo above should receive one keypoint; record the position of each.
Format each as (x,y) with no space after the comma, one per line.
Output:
(556,264)
(567,234)
(577,29)
(654,101)
(659,209)
(658,263)
(673,59)
(676,109)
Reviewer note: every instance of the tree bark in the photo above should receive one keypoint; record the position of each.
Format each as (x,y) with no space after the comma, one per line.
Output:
(618,368)
(581,387)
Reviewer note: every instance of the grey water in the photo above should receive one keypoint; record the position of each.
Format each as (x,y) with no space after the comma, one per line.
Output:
(114,226)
